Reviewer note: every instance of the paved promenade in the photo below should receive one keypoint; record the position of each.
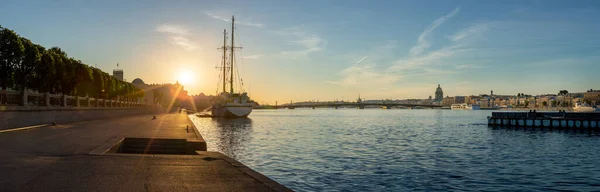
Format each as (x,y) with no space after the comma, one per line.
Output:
(58,158)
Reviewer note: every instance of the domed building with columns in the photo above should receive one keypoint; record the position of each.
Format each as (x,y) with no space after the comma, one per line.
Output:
(439,94)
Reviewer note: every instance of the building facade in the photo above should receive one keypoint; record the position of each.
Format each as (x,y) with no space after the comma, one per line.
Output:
(118,74)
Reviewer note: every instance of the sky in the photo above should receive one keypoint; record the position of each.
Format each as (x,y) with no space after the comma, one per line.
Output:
(328,49)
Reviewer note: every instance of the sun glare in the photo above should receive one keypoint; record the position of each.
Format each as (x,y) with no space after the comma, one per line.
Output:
(186,77)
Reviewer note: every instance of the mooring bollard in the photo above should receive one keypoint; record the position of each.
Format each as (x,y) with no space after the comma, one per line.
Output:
(187,128)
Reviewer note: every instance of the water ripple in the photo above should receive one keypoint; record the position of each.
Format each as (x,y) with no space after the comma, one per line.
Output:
(404,150)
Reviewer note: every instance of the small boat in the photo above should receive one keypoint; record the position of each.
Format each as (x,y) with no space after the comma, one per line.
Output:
(232,103)
(464,106)
(583,107)
(460,106)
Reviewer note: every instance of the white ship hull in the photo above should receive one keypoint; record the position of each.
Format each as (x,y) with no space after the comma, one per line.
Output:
(464,106)
(240,110)
(584,109)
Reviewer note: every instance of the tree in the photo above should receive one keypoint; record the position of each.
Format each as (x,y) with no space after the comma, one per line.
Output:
(11,51)
(98,81)
(60,79)
(85,79)
(34,67)
(527,103)
(553,103)
(563,92)
(545,104)
(70,79)
(46,73)
(24,69)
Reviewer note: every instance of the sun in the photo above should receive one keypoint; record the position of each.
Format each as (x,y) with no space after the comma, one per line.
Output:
(186,77)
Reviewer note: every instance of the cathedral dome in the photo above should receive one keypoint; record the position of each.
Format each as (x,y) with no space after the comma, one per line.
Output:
(439,94)
(138,81)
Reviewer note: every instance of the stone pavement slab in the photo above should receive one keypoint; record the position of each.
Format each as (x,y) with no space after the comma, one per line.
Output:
(57,158)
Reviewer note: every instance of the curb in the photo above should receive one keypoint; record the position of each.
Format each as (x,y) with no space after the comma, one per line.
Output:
(23,128)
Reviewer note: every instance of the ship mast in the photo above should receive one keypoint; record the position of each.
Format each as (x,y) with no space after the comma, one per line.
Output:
(231,56)
(224,57)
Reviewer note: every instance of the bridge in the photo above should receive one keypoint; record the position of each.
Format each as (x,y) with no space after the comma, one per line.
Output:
(359,105)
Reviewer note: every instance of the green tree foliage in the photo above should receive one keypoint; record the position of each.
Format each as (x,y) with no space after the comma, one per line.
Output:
(563,92)
(46,73)
(11,52)
(34,67)
(98,81)
(85,80)
(24,70)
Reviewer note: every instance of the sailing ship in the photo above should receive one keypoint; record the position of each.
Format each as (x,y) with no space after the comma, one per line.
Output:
(232,103)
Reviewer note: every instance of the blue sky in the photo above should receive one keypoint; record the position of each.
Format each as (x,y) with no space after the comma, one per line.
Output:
(309,50)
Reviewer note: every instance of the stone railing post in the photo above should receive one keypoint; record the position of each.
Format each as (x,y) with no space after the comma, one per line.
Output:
(77,101)
(24,98)
(64,100)
(104,102)
(47,99)
(87,100)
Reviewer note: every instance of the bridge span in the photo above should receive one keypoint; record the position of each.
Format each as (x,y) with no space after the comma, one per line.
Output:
(358,105)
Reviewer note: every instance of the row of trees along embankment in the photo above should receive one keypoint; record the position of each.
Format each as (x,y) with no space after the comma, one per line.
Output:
(25,65)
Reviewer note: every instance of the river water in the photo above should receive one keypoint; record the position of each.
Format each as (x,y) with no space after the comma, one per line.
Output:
(404,150)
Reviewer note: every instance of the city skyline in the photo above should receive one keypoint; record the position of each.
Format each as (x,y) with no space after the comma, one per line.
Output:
(397,50)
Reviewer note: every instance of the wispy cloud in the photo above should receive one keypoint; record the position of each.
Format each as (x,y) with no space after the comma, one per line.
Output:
(177,35)
(184,42)
(470,32)
(309,42)
(361,59)
(253,57)
(220,15)
(469,66)
(417,62)
(173,29)
(422,41)
(364,76)
(427,59)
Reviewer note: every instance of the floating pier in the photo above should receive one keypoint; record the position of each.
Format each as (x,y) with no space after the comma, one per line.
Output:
(561,119)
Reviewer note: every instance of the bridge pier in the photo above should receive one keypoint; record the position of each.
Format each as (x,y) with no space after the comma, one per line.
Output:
(361,107)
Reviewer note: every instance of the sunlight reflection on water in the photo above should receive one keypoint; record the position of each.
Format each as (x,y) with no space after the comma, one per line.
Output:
(391,150)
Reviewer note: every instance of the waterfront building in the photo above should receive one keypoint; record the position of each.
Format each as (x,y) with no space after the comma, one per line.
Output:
(439,94)
(459,99)
(162,94)
(148,95)
(118,74)
(447,101)
(592,97)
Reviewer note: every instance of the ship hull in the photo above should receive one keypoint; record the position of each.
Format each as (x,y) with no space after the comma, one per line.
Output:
(231,111)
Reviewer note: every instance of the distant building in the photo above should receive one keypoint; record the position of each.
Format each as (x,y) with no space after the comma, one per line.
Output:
(459,99)
(592,96)
(148,93)
(439,94)
(446,102)
(118,74)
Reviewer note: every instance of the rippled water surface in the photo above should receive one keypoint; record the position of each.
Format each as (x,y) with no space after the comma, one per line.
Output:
(400,150)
